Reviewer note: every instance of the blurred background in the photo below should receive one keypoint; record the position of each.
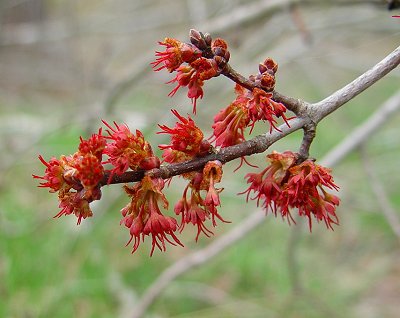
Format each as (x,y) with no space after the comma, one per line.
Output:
(65,65)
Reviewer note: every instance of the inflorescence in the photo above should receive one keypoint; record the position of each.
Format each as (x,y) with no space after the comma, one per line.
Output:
(288,182)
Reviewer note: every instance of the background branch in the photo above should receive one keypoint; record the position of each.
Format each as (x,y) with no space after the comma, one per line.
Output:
(381,196)
(196,259)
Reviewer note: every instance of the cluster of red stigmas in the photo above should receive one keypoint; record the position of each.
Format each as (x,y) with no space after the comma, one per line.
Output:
(286,183)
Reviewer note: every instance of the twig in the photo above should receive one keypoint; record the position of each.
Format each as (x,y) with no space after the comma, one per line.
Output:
(240,15)
(308,137)
(310,114)
(297,106)
(351,90)
(200,257)
(377,187)
(364,131)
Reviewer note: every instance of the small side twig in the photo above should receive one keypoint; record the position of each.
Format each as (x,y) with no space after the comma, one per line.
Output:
(308,137)
(297,106)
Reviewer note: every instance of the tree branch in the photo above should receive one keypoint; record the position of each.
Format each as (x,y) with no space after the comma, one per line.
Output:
(382,198)
(364,131)
(340,97)
(251,222)
(311,114)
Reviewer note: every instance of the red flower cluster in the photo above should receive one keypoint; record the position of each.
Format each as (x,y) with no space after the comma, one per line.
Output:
(198,209)
(76,178)
(284,185)
(249,107)
(143,216)
(191,67)
(176,53)
(127,150)
(186,140)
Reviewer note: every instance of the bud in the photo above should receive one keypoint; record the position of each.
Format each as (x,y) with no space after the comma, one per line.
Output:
(195,37)
(207,38)
(269,66)
(267,81)
(219,43)
(221,62)
(150,163)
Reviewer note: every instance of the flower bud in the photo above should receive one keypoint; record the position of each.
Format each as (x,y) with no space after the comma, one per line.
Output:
(269,65)
(221,62)
(194,36)
(150,163)
(219,43)
(267,81)
(207,38)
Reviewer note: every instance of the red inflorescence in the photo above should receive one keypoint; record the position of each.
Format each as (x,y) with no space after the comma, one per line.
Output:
(76,178)
(197,209)
(143,216)
(247,108)
(193,76)
(94,145)
(284,185)
(175,54)
(186,140)
(230,122)
(191,68)
(125,150)
(53,175)
(261,106)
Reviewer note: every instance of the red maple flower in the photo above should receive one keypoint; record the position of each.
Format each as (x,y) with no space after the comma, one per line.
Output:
(267,185)
(229,125)
(198,209)
(74,203)
(126,149)
(175,54)
(284,185)
(186,140)
(76,177)
(89,170)
(305,190)
(53,175)
(212,174)
(143,216)
(95,145)
(193,76)
(192,211)
(262,107)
